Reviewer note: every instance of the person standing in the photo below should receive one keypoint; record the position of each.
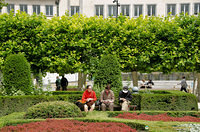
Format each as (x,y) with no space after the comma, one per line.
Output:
(107,98)
(89,97)
(183,84)
(58,83)
(125,98)
(64,83)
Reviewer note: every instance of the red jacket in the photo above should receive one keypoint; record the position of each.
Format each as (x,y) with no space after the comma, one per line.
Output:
(87,94)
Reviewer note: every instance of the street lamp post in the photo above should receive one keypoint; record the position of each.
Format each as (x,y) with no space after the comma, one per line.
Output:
(118,5)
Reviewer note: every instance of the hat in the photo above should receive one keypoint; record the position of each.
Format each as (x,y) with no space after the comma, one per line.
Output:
(125,89)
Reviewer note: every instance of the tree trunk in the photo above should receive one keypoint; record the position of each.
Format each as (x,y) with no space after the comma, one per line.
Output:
(198,86)
(134,78)
(79,80)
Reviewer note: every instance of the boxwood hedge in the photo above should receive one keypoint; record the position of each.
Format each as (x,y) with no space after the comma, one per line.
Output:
(10,104)
(157,100)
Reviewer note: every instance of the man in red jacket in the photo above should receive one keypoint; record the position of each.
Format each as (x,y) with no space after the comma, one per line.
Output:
(89,97)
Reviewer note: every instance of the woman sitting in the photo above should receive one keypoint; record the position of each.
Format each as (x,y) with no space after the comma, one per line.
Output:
(89,97)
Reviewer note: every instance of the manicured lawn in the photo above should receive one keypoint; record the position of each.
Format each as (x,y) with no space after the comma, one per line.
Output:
(154,126)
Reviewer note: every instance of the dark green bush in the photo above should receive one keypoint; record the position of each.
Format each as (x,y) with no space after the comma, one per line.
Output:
(55,109)
(108,71)
(17,75)
(10,104)
(175,101)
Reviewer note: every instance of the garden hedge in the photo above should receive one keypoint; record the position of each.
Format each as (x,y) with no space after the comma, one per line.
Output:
(156,100)
(66,92)
(10,104)
(172,101)
(170,113)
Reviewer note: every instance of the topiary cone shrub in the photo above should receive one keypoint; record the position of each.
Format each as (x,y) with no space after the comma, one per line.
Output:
(54,109)
(108,71)
(17,75)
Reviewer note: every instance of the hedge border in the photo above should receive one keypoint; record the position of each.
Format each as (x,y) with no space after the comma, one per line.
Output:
(169,113)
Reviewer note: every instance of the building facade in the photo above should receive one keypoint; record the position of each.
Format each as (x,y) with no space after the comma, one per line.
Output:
(105,8)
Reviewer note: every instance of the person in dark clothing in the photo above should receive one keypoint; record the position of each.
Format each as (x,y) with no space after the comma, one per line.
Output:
(64,83)
(125,98)
(183,84)
(150,83)
(58,83)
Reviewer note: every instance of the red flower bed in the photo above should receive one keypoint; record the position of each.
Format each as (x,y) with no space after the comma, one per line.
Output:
(159,117)
(51,125)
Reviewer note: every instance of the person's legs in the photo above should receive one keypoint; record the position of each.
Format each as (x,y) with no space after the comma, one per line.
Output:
(125,106)
(92,107)
(111,105)
(103,107)
(185,90)
(85,108)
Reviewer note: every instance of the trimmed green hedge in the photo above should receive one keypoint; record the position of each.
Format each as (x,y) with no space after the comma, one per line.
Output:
(134,125)
(174,101)
(10,104)
(170,113)
(66,92)
(53,109)
(169,100)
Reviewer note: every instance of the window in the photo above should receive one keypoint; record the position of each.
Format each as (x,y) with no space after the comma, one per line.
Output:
(151,10)
(125,10)
(185,8)
(112,10)
(196,8)
(171,8)
(99,10)
(74,10)
(23,8)
(10,7)
(36,9)
(137,10)
(49,10)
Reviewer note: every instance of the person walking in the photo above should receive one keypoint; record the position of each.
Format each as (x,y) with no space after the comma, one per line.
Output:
(58,83)
(183,84)
(125,98)
(64,83)
(107,98)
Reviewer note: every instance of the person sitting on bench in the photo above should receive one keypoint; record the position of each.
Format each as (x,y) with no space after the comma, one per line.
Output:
(107,98)
(150,84)
(89,96)
(125,98)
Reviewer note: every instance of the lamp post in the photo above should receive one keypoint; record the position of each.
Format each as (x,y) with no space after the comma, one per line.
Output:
(57,4)
(118,5)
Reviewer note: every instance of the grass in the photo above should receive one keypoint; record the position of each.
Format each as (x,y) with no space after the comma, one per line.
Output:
(154,126)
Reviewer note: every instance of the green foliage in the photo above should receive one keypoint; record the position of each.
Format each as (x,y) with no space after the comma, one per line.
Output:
(173,101)
(66,92)
(55,109)
(170,113)
(17,75)
(2,4)
(10,104)
(69,44)
(108,72)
